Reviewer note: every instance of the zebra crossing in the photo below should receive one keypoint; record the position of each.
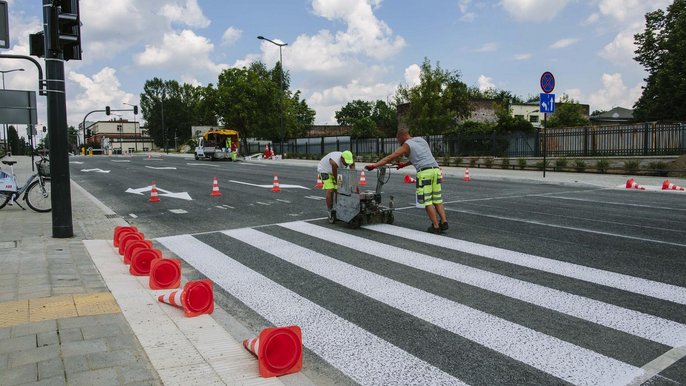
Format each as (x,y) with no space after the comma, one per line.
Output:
(384,314)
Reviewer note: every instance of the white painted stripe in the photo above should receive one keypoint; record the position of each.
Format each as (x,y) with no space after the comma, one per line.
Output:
(362,356)
(220,207)
(284,201)
(229,206)
(121,160)
(262,203)
(633,322)
(628,283)
(203,164)
(133,215)
(615,203)
(270,186)
(315,198)
(565,227)
(552,355)
(178,211)
(659,364)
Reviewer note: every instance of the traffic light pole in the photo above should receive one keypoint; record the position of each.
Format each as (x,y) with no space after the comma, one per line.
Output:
(57,124)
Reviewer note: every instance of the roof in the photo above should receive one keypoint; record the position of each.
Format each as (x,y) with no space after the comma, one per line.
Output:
(616,114)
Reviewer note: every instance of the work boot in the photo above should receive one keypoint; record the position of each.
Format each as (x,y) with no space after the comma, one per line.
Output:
(433,230)
(332,216)
(443,225)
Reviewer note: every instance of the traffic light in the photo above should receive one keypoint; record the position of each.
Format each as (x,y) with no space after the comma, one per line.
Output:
(69,29)
(107,110)
(135,110)
(37,44)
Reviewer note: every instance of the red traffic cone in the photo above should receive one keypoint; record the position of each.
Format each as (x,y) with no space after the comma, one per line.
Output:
(666,185)
(466,174)
(153,194)
(165,274)
(278,349)
(631,184)
(196,298)
(142,259)
(120,230)
(363,179)
(409,180)
(127,238)
(133,246)
(215,188)
(276,187)
(319,183)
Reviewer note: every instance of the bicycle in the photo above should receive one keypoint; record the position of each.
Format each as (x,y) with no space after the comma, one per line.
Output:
(36,190)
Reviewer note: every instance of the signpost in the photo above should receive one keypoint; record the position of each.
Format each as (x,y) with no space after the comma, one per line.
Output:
(547,105)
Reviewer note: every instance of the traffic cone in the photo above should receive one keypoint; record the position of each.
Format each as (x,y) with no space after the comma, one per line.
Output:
(363,179)
(165,274)
(466,174)
(666,185)
(142,259)
(279,350)
(631,184)
(133,246)
(319,183)
(149,156)
(153,194)
(276,187)
(215,188)
(409,179)
(127,238)
(196,298)
(120,230)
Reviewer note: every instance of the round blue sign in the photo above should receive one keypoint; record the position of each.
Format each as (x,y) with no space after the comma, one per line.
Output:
(547,82)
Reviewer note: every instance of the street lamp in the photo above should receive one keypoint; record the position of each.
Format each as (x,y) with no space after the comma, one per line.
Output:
(135,139)
(280,96)
(7,141)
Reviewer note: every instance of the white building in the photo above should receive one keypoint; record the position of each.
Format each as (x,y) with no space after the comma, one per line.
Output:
(118,136)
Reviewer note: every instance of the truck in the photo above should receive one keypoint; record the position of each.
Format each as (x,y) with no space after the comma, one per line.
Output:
(213,144)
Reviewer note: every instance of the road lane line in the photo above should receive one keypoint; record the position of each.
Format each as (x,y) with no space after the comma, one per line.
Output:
(364,357)
(551,355)
(628,283)
(564,227)
(636,323)
(659,364)
(613,203)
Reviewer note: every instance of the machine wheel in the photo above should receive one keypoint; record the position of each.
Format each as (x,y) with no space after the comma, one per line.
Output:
(196,157)
(389,218)
(332,218)
(355,222)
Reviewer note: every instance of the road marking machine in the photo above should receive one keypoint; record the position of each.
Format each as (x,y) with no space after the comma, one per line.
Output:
(356,207)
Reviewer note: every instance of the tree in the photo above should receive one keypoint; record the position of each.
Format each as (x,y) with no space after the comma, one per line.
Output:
(568,113)
(385,116)
(13,138)
(354,111)
(437,102)
(662,51)
(299,116)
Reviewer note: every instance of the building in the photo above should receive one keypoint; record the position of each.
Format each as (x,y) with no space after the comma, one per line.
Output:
(615,116)
(118,137)
(530,112)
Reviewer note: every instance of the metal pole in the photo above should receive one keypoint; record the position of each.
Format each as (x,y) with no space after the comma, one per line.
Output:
(545,150)
(164,130)
(281,99)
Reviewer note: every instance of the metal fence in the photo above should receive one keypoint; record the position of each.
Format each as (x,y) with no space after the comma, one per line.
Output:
(643,139)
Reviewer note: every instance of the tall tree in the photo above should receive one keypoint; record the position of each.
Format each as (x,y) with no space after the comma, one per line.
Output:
(662,51)
(437,102)
(568,113)
(13,138)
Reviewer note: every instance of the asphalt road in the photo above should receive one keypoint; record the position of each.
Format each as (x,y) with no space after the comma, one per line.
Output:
(532,283)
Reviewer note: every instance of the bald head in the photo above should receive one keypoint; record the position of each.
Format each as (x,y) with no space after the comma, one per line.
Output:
(403,135)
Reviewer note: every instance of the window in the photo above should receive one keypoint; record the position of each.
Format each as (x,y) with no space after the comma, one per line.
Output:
(519,117)
(119,127)
(533,118)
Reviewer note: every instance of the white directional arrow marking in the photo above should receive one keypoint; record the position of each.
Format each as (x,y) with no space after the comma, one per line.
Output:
(95,170)
(76,162)
(161,192)
(162,167)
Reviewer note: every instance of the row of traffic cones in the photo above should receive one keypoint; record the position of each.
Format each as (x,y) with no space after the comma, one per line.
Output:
(666,185)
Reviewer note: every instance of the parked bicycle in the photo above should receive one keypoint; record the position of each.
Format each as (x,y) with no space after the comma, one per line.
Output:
(36,190)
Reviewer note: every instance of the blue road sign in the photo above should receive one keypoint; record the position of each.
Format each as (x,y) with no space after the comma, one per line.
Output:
(547,103)
(547,82)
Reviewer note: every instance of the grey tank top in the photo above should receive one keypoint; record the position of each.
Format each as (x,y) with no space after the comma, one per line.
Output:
(420,154)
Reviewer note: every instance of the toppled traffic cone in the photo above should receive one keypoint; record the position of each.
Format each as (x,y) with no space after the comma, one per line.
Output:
(127,238)
(363,179)
(142,260)
(133,246)
(278,349)
(215,188)
(153,194)
(666,185)
(196,298)
(275,187)
(119,231)
(165,274)
(466,174)
(319,183)
(409,179)
(631,184)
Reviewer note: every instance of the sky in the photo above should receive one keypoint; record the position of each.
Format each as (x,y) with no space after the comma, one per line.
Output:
(342,50)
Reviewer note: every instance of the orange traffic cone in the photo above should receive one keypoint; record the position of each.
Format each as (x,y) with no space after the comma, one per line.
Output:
(466,174)
(153,194)
(133,246)
(666,185)
(196,298)
(319,183)
(215,188)
(119,231)
(363,179)
(409,179)
(631,184)
(165,274)
(128,237)
(142,259)
(276,187)
(279,350)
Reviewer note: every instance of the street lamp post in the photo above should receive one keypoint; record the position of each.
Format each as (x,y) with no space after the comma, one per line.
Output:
(280,45)
(164,129)
(135,139)
(7,141)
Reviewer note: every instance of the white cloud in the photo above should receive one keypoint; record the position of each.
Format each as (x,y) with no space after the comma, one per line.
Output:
(629,11)
(485,83)
(467,15)
(614,93)
(184,52)
(525,56)
(533,10)
(562,43)
(487,47)
(100,90)
(190,15)
(327,101)
(412,74)
(621,49)
(230,36)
